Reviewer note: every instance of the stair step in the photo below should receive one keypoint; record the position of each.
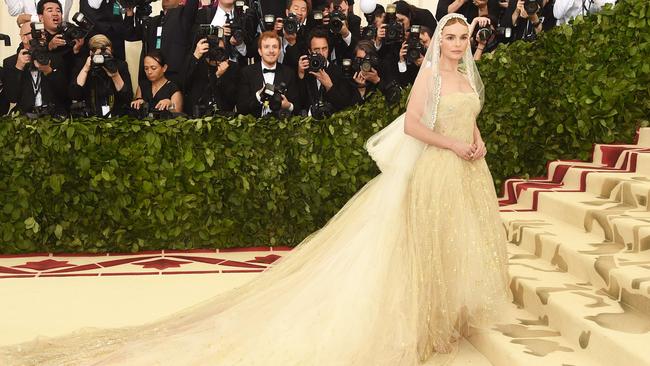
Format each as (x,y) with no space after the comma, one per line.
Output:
(613,332)
(522,339)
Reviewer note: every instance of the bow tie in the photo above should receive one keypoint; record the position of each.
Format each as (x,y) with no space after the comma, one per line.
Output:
(268,70)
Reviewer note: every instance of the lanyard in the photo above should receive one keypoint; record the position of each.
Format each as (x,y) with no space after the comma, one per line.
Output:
(36,82)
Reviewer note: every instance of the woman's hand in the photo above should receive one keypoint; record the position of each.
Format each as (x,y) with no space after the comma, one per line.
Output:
(464,150)
(164,104)
(480,151)
(136,104)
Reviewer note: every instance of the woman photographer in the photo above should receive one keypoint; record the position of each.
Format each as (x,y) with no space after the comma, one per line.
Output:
(157,91)
(103,83)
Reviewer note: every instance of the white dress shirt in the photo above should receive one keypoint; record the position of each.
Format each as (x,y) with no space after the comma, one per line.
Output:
(17,7)
(219,20)
(565,10)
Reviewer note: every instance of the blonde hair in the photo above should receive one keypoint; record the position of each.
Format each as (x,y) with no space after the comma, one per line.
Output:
(99,41)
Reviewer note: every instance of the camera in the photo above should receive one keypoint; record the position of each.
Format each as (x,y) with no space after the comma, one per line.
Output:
(238,23)
(273,95)
(316,62)
(532,6)
(37,47)
(415,49)
(147,111)
(337,19)
(103,59)
(322,109)
(318,17)
(348,68)
(366,63)
(394,29)
(213,35)
(80,29)
(291,24)
(485,33)
(269,22)
(79,109)
(369,32)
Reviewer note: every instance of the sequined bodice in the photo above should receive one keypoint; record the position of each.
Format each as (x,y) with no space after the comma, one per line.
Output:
(456,115)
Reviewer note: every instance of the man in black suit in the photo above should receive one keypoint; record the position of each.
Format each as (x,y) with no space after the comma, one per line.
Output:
(381,76)
(169,32)
(30,84)
(344,41)
(107,16)
(327,86)
(255,77)
(212,83)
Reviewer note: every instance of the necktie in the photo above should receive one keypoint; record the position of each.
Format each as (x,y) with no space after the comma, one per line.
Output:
(268,70)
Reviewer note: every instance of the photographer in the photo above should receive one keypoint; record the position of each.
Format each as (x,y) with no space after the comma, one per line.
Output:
(294,30)
(526,23)
(34,79)
(469,8)
(238,29)
(485,37)
(412,54)
(325,89)
(49,12)
(108,20)
(168,33)
(372,74)
(345,29)
(25,10)
(268,87)
(212,79)
(156,92)
(102,82)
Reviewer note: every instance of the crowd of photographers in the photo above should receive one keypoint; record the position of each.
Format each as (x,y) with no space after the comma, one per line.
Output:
(233,56)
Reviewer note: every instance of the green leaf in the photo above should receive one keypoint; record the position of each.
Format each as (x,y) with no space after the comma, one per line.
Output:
(58,231)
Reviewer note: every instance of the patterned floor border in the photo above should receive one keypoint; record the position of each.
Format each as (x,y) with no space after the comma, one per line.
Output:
(162,262)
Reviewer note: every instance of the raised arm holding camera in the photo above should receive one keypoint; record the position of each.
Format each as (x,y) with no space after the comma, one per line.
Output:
(325,89)
(412,53)
(344,27)
(371,74)
(34,78)
(212,79)
(268,87)
(107,16)
(294,32)
(102,83)
(526,23)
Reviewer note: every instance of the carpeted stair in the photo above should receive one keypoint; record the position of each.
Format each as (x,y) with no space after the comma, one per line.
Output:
(579,247)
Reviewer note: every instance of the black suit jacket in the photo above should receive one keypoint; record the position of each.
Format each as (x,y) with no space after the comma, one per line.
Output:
(202,85)
(108,24)
(19,90)
(424,17)
(176,42)
(252,80)
(339,95)
(4,102)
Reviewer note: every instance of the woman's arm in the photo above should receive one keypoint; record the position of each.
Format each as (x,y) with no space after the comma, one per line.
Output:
(413,127)
(177,101)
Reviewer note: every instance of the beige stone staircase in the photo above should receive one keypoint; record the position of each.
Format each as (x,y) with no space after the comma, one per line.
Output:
(579,247)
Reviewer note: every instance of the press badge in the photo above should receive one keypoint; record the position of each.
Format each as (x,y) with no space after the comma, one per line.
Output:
(158,38)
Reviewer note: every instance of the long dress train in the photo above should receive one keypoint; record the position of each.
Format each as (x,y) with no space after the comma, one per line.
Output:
(383,283)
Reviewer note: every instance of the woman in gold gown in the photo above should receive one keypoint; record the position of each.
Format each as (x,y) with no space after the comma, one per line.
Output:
(403,270)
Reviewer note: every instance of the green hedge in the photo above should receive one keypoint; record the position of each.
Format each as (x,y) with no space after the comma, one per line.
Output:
(126,185)
(574,86)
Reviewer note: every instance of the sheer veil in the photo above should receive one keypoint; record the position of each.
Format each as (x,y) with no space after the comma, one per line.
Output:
(391,148)
(346,295)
